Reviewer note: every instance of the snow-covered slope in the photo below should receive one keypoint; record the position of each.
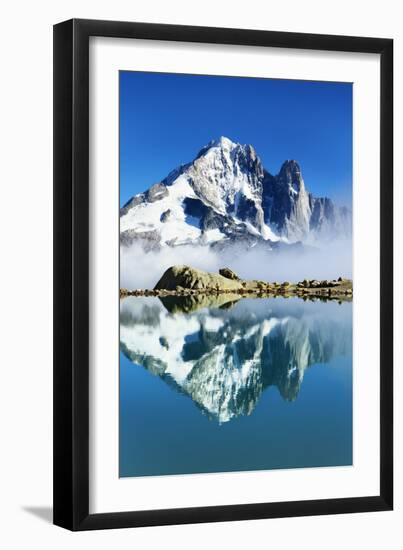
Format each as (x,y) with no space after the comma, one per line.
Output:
(226,195)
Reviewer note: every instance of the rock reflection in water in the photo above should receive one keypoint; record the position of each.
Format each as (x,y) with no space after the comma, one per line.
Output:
(223,353)
(190,303)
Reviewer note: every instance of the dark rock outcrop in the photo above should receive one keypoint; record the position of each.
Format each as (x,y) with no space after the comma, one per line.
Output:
(166,215)
(228,274)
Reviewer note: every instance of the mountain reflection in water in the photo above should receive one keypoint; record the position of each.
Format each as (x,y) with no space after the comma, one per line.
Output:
(223,352)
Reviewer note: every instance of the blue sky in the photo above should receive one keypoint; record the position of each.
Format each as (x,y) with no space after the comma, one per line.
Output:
(165,119)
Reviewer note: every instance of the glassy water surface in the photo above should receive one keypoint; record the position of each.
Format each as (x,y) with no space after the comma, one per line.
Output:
(217,385)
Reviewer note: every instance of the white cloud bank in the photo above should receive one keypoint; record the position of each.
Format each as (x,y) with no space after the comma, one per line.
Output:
(139,269)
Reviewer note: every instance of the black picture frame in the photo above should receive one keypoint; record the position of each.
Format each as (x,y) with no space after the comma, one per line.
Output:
(71,274)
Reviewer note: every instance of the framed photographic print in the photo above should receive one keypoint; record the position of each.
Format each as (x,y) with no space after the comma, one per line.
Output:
(222,274)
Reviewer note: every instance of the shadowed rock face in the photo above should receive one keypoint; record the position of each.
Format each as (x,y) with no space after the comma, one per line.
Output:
(286,202)
(224,359)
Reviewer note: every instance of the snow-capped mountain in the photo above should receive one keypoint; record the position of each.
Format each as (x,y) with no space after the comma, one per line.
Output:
(226,195)
(224,359)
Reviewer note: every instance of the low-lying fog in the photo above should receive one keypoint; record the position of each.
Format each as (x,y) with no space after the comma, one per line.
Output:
(139,269)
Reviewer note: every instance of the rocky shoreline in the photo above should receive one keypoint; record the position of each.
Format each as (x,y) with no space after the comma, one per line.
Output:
(188,281)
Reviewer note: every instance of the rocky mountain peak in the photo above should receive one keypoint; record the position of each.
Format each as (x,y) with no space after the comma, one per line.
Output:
(224,196)
(290,174)
(221,143)
(290,166)
(224,143)
(228,176)
(229,160)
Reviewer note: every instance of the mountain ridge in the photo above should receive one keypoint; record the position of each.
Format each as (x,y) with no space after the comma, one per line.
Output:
(225,195)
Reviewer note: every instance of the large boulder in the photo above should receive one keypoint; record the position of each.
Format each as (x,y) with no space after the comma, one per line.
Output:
(196,279)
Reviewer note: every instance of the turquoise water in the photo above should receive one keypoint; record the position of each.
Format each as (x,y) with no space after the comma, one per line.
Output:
(256,384)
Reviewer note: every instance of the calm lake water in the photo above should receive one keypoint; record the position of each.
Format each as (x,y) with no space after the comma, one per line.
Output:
(254,384)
